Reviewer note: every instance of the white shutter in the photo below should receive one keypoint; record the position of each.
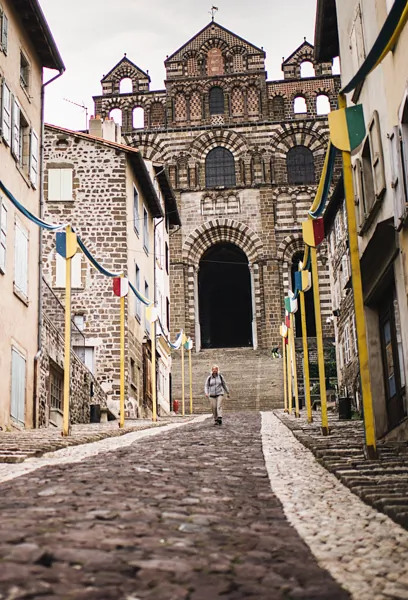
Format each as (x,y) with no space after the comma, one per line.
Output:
(66,184)
(54,184)
(18,384)
(377,157)
(397,182)
(359,200)
(34,158)
(3,235)
(59,271)
(15,140)
(4,33)
(21,259)
(6,113)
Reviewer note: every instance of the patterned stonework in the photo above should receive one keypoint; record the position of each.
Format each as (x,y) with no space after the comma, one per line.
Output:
(261,214)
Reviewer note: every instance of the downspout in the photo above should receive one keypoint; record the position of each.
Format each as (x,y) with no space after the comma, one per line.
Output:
(40,303)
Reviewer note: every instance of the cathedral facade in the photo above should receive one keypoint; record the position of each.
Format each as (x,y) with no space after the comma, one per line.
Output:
(244,156)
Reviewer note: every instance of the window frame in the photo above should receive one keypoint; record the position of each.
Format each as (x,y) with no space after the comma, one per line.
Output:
(220,171)
(298,173)
(3,31)
(6,113)
(62,179)
(216,104)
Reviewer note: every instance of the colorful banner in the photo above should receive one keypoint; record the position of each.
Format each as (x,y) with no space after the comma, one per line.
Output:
(121,286)
(66,243)
(313,232)
(347,128)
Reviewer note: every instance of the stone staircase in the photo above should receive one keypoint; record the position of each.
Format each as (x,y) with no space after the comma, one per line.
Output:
(254,378)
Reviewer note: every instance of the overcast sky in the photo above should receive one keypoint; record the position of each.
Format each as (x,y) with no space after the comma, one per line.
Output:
(92,38)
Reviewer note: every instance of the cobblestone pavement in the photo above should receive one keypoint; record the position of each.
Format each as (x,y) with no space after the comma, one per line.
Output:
(382,483)
(17,446)
(362,548)
(185,515)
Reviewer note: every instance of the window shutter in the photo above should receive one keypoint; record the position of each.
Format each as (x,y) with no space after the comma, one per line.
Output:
(59,271)
(76,271)
(66,184)
(18,374)
(377,157)
(3,235)
(54,184)
(359,192)
(397,182)
(4,33)
(135,209)
(34,158)
(15,140)
(6,113)
(21,259)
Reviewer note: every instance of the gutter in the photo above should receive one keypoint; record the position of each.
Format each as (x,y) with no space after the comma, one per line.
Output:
(40,268)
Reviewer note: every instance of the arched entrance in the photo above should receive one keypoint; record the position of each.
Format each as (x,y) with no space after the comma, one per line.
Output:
(225,298)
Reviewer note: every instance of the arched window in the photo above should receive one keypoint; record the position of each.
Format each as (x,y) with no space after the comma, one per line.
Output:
(300,165)
(126,86)
(299,105)
(220,168)
(138,118)
(307,69)
(322,104)
(116,115)
(216,101)
(336,66)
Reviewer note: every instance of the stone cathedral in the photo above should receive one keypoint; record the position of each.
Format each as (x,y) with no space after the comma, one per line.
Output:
(244,155)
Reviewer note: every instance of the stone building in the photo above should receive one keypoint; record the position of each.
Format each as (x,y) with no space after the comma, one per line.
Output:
(26,48)
(112,196)
(244,155)
(349,29)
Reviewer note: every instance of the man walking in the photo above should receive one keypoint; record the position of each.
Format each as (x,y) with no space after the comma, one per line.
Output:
(215,386)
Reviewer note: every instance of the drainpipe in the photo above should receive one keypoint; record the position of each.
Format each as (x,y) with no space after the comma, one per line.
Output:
(40,303)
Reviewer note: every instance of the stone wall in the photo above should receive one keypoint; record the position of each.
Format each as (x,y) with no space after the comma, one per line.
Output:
(52,356)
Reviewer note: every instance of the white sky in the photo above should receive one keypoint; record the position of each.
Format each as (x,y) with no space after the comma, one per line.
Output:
(92,38)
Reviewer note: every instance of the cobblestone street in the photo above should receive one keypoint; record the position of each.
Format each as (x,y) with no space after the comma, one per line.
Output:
(186,512)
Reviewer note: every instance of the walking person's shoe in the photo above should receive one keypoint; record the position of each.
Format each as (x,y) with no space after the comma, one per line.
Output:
(219,421)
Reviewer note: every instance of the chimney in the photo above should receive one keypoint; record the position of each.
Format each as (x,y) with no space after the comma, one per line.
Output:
(95,126)
(109,130)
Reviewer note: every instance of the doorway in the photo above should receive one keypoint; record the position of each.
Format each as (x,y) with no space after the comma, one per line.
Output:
(225,299)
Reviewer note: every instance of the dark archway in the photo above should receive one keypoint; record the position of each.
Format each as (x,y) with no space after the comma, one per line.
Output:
(225,299)
(309,304)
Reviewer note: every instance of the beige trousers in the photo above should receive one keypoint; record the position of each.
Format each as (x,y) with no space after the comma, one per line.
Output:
(216,406)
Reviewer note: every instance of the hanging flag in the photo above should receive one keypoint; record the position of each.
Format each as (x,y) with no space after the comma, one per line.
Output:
(347,128)
(313,232)
(287,319)
(291,303)
(151,314)
(121,286)
(303,280)
(189,344)
(66,243)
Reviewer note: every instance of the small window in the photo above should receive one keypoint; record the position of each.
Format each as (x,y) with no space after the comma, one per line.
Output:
(322,105)
(138,303)
(24,72)
(126,86)
(300,165)
(6,103)
(136,217)
(18,386)
(60,185)
(138,118)
(220,168)
(3,235)
(76,271)
(307,69)
(79,321)
(56,388)
(21,259)
(299,105)
(3,31)
(145,230)
(216,101)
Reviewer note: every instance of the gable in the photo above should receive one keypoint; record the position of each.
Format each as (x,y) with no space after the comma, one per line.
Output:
(125,68)
(303,52)
(213,32)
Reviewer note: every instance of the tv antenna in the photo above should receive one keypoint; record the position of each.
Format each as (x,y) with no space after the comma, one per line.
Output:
(85,108)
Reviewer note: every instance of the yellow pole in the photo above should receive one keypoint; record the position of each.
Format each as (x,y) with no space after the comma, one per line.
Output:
(369,424)
(190,365)
(67,357)
(285,376)
(319,339)
(122,364)
(154,395)
(183,408)
(295,381)
(306,358)
(289,370)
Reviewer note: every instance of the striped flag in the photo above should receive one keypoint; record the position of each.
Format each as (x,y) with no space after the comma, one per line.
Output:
(120,286)
(313,232)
